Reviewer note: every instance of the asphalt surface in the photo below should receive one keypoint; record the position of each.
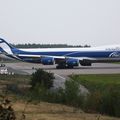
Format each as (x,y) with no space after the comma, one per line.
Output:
(62,74)
(97,68)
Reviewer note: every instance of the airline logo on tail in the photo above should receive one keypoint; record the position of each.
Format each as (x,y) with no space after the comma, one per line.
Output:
(5,47)
(115,55)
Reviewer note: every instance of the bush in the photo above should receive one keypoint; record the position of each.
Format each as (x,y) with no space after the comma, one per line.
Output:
(104,102)
(42,78)
(92,102)
(111,101)
(69,96)
(56,96)
(38,93)
(72,93)
(41,82)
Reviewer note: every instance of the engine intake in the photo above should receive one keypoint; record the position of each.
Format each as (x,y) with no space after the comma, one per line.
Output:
(72,62)
(47,61)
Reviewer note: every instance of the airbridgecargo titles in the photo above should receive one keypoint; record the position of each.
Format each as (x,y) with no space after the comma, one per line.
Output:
(63,57)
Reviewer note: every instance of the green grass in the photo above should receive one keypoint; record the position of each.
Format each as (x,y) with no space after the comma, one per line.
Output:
(98,82)
(117,62)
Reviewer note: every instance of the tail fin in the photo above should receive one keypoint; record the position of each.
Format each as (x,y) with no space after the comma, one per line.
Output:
(6,47)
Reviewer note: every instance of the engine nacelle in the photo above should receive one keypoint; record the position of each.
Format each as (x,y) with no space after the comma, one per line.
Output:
(72,62)
(47,61)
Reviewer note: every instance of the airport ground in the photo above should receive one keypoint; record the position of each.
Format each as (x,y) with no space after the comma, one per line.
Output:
(96,68)
(62,74)
(46,111)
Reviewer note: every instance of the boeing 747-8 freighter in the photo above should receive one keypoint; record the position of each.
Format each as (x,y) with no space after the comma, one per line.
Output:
(63,57)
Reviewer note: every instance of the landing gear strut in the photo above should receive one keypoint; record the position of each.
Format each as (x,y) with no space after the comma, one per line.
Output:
(63,66)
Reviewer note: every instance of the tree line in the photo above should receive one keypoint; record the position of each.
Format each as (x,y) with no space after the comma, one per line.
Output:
(29,45)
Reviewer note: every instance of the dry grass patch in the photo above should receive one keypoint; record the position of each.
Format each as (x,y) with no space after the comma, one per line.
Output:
(47,111)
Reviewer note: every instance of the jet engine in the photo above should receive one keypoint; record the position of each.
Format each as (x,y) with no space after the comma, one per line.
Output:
(47,61)
(72,62)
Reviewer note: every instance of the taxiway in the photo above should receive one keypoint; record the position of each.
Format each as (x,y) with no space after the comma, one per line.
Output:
(62,74)
(97,68)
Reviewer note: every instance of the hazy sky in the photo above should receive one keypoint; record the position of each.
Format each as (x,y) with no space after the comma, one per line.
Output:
(77,22)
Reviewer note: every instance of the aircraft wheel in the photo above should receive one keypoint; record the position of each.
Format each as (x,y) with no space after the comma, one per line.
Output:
(64,67)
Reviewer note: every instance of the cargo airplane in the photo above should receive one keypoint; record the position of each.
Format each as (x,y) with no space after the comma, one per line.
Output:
(63,57)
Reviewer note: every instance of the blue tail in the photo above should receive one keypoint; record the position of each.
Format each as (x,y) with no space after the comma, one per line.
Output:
(7,48)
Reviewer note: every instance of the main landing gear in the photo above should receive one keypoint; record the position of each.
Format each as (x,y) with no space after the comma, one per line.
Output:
(64,66)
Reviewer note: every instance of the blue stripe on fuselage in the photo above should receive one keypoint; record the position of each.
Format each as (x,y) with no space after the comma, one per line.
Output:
(92,54)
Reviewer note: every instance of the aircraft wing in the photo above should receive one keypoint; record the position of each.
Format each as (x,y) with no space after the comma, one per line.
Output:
(39,56)
(55,57)
(84,58)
